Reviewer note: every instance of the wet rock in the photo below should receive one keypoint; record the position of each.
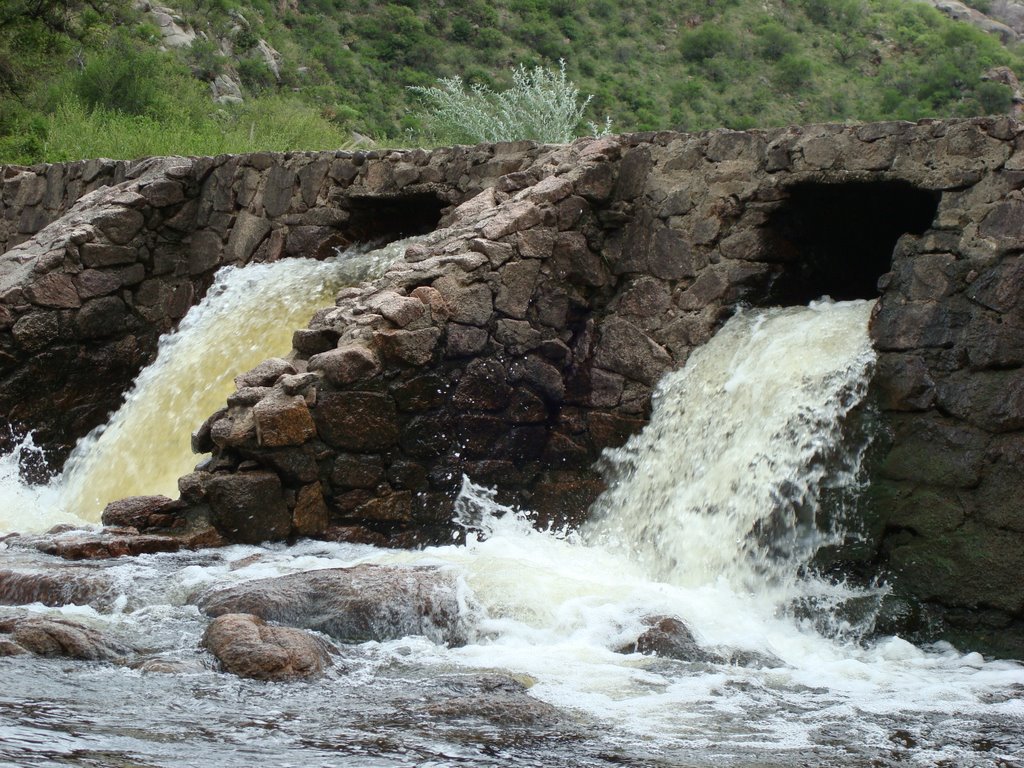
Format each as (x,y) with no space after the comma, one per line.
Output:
(247,646)
(56,637)
(249,507)
(499,699)
(349,363)
(353,605)
(141,512)
(670,638)
(265,374)
(85,545)
(282,420)
(64,587)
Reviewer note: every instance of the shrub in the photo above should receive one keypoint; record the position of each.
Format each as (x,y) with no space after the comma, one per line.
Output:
(542,104)
(705,42)
(124,78)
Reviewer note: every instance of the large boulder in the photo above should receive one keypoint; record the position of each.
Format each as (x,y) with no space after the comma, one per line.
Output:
(64,587)
(51,636)
(247,646)
(353,605)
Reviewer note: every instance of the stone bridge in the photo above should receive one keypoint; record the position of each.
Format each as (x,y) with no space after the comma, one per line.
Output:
(524,334)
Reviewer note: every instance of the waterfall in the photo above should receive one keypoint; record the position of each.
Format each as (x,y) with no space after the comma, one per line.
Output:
(248,315)
(724,481)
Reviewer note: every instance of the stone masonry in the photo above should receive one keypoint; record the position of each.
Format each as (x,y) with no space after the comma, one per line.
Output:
(525,334)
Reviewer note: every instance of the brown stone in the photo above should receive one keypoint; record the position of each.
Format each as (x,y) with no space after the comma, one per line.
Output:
(63,587)
(349,363)
(56,637)
(265,374)
(464,340)
(282,420)
(247,646)
(356,421)
(56,290)
(353,605)
(625,349)
(408,347)
(310,516)
(106,255)
(483,387)
(120,225)
(470,304)
(248,507)
(517,282)
(94,282)
(136,511)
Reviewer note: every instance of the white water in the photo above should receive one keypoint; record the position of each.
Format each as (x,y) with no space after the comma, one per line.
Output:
(247,315)
(740,441)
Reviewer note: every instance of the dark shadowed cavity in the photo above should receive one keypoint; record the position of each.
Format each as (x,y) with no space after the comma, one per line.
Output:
(838,239)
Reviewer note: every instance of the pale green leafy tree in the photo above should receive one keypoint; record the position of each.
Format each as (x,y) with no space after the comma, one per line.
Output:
(542,104)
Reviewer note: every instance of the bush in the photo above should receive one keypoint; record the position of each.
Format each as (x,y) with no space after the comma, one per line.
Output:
(124,78)
(705,42)
(543,104)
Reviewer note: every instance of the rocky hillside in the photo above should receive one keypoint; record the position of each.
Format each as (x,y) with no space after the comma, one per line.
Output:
(125,78)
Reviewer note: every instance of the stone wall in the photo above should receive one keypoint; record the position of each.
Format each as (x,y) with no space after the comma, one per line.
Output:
(105,256)
(525,334)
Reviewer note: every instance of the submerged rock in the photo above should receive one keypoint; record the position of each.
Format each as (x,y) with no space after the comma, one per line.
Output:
(500,699)
(353,605)
(48,636)
(669,638)
(247,646)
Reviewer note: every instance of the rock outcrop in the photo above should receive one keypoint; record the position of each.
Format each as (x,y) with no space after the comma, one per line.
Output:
(525,334)
(56,637)
(353,605)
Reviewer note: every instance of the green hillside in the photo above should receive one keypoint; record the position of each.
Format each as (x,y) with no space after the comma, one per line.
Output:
(88,77)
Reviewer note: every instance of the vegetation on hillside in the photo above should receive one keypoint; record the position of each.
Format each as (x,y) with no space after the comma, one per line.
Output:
(87,77)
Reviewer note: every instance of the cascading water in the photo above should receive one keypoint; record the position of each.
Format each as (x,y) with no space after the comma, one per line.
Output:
(247,315)
(724,481)
(708,520)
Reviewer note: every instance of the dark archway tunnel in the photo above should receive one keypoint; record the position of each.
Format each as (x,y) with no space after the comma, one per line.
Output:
(837,239)
(385,219)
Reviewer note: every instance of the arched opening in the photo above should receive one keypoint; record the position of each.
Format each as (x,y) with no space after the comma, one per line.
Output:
(838,239)
(385,219)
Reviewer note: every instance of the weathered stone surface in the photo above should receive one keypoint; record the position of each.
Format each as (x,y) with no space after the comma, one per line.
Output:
(408,347)
(353,605)
(265,374)
(247,646)
(54,290)
(282,420)
(139,511)
(625,349)
(349,363)
(249,507)
(358,421)
(56,637)
(64,587)
(120,225)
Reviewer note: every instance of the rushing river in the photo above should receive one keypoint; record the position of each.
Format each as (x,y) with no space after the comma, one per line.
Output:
(709,518)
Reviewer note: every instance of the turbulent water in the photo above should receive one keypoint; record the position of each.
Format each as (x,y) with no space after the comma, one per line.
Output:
(710,516)
(248,315)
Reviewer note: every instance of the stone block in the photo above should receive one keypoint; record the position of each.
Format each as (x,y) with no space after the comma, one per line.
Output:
(282,420)
(248,507)
(56,290)
(356,421)
(408,347)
